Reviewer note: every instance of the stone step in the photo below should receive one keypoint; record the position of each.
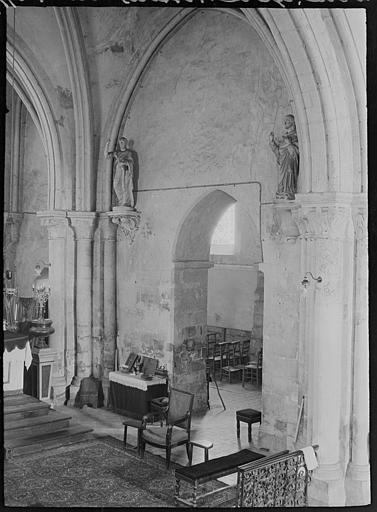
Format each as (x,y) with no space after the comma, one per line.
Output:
(25,408)
(18,398)
(28,427)
(12,393)
(47,441)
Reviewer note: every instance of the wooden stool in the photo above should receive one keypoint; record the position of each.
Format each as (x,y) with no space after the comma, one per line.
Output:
(248,416)
(132,422)
(202,443)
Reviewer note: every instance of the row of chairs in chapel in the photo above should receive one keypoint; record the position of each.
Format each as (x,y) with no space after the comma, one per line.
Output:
(232,358)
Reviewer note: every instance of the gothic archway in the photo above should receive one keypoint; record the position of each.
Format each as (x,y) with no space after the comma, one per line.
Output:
(191,262)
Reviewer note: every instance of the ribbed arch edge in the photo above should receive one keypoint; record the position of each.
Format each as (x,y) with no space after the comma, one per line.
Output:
(38,104)
(72,39)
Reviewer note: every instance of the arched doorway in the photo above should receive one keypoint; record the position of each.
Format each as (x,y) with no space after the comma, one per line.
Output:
(191,259)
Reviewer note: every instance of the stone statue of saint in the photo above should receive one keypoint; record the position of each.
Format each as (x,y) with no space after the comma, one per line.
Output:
(124,173)
(287,154)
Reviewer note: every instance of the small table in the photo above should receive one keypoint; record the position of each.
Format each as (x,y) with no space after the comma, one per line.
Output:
(248,416)
(131,395)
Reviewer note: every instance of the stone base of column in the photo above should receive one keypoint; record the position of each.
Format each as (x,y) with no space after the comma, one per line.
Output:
(269,441)
(59,390)
(327,488)
(106,392)
(358,485)
(73,390)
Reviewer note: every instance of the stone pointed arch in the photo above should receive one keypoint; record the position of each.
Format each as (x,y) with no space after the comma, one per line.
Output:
(318,55)
(72,38)
(190,284)
(309,66)
(195,231)
(120,105)
(39,105)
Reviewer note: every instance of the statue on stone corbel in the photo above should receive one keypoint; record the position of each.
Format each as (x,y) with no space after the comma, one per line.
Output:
(125,175)
(286,151)
(128,222)
(123,180)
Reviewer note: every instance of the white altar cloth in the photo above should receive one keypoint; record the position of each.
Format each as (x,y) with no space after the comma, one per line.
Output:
(134,381)
(13,367)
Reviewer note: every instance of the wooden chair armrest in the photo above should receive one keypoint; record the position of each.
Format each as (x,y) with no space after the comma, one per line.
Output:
(186,418)
(147,418)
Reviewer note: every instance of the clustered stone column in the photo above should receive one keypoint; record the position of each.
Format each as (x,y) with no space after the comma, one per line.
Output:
(108,236)
(324,222)
(83,226)
(57,225)
(358,471)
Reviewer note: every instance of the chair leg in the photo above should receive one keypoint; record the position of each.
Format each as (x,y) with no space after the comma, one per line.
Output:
(249,432)
(238,428)
(125,435)
(139,434)
(168,452)
(142,448)
(189,450)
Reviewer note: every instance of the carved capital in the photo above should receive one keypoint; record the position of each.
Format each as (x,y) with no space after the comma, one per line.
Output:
(324,221)
(83,224)
(128,221)
(56,223)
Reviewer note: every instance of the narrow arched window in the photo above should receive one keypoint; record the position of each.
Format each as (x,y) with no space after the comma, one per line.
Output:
(223,238)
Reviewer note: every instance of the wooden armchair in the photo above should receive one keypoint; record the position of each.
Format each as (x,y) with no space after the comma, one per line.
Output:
(176,432)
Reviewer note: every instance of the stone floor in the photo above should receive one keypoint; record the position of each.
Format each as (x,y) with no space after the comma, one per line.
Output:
(217,425)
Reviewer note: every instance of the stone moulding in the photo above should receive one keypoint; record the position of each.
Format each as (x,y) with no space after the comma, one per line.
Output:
(128,221)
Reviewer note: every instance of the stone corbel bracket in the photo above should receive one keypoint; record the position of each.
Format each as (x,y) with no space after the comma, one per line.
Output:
(128,221)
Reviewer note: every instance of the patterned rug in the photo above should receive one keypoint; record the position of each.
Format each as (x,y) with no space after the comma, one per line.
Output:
(95,473)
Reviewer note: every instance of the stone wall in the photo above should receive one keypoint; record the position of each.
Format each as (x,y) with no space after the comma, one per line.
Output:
(198,85)
(231,296)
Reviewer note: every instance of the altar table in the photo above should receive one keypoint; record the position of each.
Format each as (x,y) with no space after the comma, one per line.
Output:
(131,394)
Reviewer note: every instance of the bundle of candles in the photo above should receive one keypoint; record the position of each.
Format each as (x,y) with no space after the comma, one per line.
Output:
(41,293)
(10,309)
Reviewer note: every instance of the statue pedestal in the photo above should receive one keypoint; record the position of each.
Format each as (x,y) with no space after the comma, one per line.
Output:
(123,209)
(41,373)
(42,366)
(128,219)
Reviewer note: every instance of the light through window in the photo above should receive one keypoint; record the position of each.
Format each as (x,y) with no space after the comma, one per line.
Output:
(223,238)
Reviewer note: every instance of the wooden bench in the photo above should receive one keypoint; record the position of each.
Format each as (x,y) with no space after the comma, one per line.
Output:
(199,474)
(248,416)
(202,443)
